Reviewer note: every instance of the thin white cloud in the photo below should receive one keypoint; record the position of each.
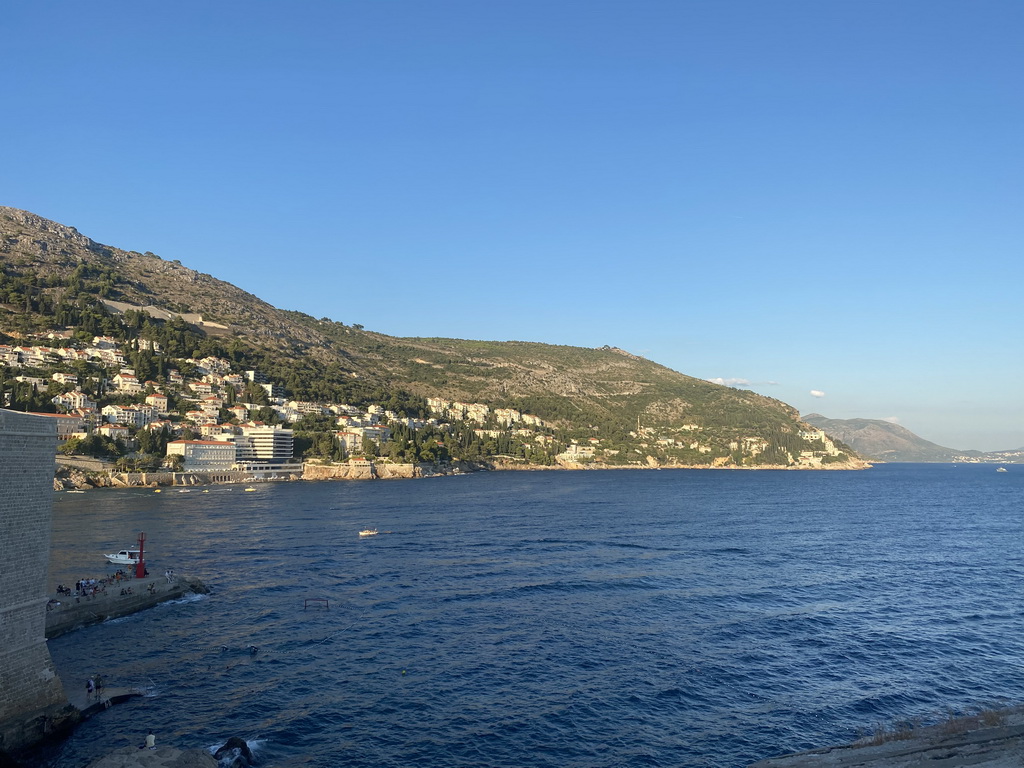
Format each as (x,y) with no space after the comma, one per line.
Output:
(817,393)
(730,382)
(736,381)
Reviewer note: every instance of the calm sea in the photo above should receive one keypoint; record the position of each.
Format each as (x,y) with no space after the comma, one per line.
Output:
(535,619)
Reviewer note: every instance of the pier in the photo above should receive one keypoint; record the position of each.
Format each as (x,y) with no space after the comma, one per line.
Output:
(89,704)
(67,612)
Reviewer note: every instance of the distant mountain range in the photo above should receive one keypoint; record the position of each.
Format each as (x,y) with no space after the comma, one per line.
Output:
(625,408)
(885,441)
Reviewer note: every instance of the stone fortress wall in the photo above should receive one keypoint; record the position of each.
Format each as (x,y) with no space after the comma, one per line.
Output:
(32,699)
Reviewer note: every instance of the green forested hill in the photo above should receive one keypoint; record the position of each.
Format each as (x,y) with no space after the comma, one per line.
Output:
(53,276)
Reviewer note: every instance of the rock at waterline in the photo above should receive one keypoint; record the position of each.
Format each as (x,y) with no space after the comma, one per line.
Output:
(237,751)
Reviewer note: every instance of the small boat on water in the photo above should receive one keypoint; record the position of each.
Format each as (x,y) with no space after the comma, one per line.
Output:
(1001,469)
(249,489)
(124,557)
(368,532)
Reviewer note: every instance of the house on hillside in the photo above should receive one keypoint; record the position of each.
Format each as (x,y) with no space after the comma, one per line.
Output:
(134,415)
(239,412)
(158,400)
(211,405)
(115,432)
(68,425)
(127,383)
(9,355)
(73,401)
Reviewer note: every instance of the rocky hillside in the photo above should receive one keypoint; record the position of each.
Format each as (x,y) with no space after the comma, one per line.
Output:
(885,441)
(51,273)
(882,440)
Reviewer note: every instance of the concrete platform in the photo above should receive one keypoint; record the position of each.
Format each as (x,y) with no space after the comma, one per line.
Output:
(956,744)
(161,757)
(105,699)
(64,613)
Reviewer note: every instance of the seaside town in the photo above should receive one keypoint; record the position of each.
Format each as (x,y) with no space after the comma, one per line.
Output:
(204,416)
(212,419)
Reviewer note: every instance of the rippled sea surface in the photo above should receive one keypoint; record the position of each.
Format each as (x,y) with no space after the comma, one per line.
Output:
(617,618)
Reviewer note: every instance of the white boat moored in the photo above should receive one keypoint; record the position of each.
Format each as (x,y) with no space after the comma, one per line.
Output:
(124,557)
(368,532)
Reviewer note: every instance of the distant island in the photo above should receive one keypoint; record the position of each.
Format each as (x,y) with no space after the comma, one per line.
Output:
(157,367)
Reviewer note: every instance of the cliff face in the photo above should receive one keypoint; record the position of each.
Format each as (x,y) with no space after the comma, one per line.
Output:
(362,471)
(376,471)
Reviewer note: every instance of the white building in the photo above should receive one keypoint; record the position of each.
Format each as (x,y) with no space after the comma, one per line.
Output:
(507,416)
(264,444)
(158,400)
(352,438)
(126,382)
(136,416)
(115,432)
(203,455)
(9,355)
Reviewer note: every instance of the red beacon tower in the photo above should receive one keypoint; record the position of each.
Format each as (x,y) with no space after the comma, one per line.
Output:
(140,567)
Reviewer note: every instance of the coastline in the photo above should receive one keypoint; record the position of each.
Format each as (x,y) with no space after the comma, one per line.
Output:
(78,480)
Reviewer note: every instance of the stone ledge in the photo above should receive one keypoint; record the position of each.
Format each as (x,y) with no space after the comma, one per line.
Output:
(161,757)
(1000,746)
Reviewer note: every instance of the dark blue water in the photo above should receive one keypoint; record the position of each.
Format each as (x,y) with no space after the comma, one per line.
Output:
(664,618)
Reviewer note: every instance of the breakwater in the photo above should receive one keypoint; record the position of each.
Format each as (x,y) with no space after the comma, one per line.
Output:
(81,474)
(113,599)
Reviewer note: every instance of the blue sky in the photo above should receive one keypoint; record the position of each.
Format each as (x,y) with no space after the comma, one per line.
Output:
(820,201)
